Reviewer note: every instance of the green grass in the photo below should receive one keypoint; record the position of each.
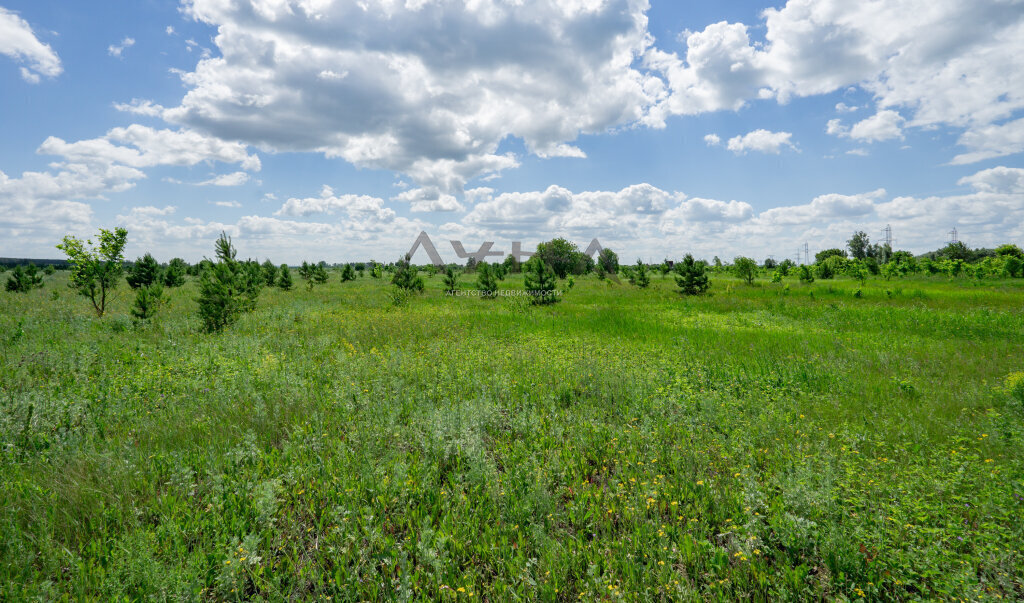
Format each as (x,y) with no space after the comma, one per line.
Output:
(767,442)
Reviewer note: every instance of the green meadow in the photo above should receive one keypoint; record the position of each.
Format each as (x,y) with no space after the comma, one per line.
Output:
(779,441)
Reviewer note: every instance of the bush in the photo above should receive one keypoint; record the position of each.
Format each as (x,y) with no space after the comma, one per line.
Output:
(777,276)
(564,257)
(745,268)
(806,274)
(23,280)
(824,254)
(348,273)
(96,270)
(226,288)
(1013,266)
(539,280)
(692,276)
(144,272)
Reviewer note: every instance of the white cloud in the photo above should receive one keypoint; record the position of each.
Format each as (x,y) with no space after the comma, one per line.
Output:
(232,179)
(1000,180)
(858,152)
(356,207)
(229,204)
(712,140)
(429,199)
(19,42)
(940,63)
(884,125)
(140,107)
(762,141)
(428,89)
(169,30)
(844,108)
(117,50)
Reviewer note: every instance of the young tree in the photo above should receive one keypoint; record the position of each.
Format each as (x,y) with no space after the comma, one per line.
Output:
(269,273)
(806,274)
(406,278)
(785,266)
(691,276)
(486,283)
(174,276)
(1010,249)
(148,299)
(745,268)
(824,254)
(539,280)
(859,245)
(227,288)
(284,281)
(563,257)
(451,280)
(144,272)
(1013,266)
(511,264)
(320,273)
(96,270)
(640,278)
(23,280)
(608,260)
(348,273)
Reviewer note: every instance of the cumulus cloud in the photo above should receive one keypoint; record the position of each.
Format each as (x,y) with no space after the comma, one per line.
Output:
(940,63)
(712,140)
(1000,180)
(429,199)
(355,206)
(762,141)
(117,50)
(429,89)
(140,107)
(19,42)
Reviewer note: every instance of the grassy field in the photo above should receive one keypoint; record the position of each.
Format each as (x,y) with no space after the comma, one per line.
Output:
(772,442)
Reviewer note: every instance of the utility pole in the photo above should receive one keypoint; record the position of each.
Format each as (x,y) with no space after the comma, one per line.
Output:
(807,253)
(954,237)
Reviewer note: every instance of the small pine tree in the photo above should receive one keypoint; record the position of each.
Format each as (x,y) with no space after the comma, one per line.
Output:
(451,280)
(269,273)
(227,288)
(405,277)
(147,301)
(144,272)
(320,273)
(692,276)
(23,280)
(348,273)
(284,281)
(640,278)
(174,276)
(306,273)
(486,282)
(539,280)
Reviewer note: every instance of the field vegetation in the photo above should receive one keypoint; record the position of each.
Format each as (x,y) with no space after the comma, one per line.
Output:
(779,433)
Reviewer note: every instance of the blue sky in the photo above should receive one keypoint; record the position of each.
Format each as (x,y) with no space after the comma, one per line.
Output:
(319,129)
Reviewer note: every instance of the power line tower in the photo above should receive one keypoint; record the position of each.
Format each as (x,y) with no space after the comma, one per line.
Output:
(887,233)
(807,254)
(954,237)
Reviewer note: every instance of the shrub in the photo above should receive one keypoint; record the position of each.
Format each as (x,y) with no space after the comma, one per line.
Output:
(824,254)
(147,301)
(777,276)
(539,280)
(143,273)
(174,276)
(806,274)
(564,257)
(405,277)
(1013,266)
(486,282)
(96,270)
(226,288)
(284,279)
(23,280)
(692,276)
(745,268)
(511,265)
